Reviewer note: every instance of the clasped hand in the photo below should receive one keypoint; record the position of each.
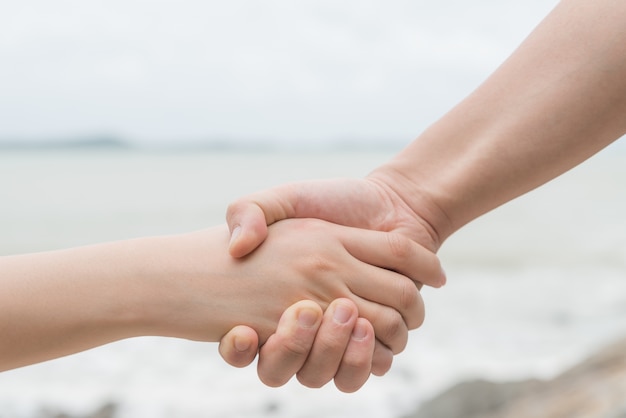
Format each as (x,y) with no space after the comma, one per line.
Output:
(382,296)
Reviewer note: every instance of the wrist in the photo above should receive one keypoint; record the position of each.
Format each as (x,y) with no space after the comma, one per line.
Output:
(430,224)
(172,273)
(441,175)
(186,286)
(136,290)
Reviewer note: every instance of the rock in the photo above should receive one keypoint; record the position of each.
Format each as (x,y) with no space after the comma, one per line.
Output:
(474,399)
(594,388)
(107,410)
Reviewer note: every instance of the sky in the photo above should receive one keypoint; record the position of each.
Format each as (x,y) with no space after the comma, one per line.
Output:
(286,70)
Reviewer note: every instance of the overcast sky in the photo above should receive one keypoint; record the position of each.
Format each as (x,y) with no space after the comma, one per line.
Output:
(314,70)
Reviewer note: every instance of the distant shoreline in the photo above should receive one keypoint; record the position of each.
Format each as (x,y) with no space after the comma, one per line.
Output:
(63,144)
(218,145)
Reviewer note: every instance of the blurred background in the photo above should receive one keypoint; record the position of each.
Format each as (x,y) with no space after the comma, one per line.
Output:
(124,118)
(318,71)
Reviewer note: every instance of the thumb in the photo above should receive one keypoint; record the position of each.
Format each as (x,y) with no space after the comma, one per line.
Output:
(249,217)
(248,228)
(239,346)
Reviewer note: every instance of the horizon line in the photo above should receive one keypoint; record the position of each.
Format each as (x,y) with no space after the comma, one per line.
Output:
(208,144)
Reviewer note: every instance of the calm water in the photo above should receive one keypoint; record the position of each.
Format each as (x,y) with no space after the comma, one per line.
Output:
(533,286)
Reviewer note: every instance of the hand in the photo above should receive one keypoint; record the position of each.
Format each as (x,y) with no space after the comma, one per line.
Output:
(315,347)
(188,286)
(300,260)
(372,205)
(239,346)
(368,203)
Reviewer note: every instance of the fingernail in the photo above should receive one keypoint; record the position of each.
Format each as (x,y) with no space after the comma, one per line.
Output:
(241,344)
(235,234)
(359,332)
(342,314)
(307,318)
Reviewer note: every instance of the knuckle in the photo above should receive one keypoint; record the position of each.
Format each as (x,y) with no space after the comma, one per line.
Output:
(417,320)
(319,263)
(332,345)
(383,359)
(291,348)
(399,246)
(312,381)
(411,305)
(311,225)
(409,295)
(357,362)
(295,350)
(394,332)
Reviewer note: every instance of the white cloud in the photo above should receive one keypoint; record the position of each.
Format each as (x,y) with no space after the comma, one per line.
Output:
(272,69)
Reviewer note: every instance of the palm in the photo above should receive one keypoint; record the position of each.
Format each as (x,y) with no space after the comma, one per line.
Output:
(362,203)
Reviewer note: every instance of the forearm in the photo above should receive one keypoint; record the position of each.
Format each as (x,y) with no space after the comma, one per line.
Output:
(187,286)
(61,302)
(560,98)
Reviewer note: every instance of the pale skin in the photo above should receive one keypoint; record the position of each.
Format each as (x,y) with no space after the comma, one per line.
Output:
(61,302)
(557,100)
(331,349)
(343,350)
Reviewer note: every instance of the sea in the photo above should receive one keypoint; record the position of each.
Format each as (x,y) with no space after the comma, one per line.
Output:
(533,287)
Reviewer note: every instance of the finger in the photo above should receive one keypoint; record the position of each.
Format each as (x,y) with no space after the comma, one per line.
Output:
(239,346)
(389,289)
(385,289)
(356,363)
(389,325)
(285,352)
(383,358)
(248,217)
(395,252)
(330,344)
(321,199)
(390,252)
